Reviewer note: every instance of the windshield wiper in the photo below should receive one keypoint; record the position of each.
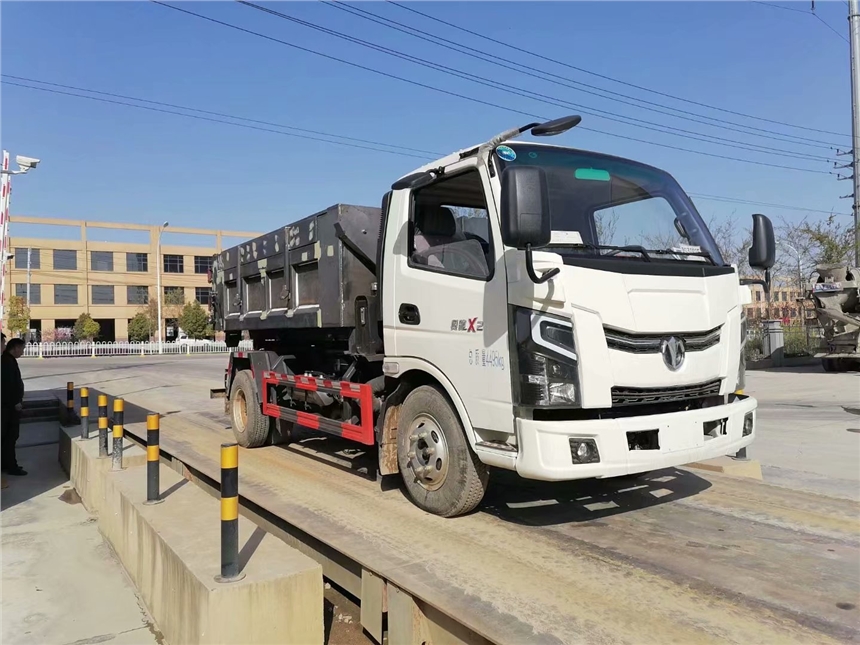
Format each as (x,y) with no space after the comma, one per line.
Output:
(700,254)
(632,248)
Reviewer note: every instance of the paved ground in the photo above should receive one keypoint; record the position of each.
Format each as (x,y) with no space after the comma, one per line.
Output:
(806,438)
(61,582)
(678,556)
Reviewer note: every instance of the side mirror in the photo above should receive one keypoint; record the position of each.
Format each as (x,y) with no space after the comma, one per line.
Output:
(762,255)
(525,213)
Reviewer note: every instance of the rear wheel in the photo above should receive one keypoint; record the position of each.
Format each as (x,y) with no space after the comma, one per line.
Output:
(441,473)
(250,426)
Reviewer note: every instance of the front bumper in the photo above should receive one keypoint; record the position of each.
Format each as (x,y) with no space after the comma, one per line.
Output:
(544,447)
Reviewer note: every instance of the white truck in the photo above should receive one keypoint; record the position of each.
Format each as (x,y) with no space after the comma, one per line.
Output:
(512,305)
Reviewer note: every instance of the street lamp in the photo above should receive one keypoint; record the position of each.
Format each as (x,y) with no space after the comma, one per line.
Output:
(158,285)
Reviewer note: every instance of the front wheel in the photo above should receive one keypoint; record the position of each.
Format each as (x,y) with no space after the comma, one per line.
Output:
(441,473)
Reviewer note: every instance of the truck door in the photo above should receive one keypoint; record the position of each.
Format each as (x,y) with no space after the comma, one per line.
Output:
(450,291)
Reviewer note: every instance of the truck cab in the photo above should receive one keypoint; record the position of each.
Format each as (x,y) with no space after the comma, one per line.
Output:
(560,313)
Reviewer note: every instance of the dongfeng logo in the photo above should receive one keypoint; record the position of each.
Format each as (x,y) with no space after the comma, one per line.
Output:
(673,352)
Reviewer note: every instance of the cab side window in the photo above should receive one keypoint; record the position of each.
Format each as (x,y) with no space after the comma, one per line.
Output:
(449,228)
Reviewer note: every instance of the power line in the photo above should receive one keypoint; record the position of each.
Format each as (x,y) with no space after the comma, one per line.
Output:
(830,27)
(221,121)
(570,83)
(543,98)
(805,12)
(374,146)
(210,112)
(737,200)
(488,83)
(610,78)
(779,6)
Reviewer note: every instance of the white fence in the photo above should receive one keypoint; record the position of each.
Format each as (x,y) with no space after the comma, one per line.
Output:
(56,350)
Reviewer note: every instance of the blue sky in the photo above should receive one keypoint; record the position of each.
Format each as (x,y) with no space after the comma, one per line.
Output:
(109,162)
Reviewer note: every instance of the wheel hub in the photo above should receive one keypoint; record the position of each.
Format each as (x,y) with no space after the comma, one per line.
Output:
(428,452)
(240,414)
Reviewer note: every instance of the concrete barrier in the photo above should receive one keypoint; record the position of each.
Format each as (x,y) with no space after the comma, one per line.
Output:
(172,554)
(79,458)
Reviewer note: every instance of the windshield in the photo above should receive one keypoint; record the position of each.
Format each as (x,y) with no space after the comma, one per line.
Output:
(607,206)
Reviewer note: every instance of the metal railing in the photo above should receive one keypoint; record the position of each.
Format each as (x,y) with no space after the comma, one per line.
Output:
(127,348)
(798,340)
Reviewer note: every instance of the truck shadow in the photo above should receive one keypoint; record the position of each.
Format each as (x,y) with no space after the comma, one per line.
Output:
(535,503)
(508,497)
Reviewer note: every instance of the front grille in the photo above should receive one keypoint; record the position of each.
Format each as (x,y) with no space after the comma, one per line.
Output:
(650,343)
(645,395)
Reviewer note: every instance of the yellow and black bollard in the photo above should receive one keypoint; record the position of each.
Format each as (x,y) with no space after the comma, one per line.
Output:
(70,396)
(85,413)
(229,513)
(103,425)
(118,410)
(152,456)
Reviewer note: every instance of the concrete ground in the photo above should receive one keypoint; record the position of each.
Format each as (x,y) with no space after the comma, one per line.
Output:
(808,429)
(807,437)
(733,538)
(62,583)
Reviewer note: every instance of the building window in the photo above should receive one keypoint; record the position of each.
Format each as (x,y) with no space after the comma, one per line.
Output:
(65,294)
(102,294)
(65,260)
(138,295)
(174,295)
(137,262)
(21,258)
(758,296)
(35,293)
(101,260)
(202,263)
(174,264)
(203,295)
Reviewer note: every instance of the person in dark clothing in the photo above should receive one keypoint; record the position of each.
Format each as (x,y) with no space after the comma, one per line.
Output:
(12,399)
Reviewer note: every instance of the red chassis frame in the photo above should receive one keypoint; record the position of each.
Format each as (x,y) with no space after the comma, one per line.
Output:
(362,433)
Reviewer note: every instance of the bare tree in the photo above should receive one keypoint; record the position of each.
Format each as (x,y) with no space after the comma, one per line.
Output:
(606,224)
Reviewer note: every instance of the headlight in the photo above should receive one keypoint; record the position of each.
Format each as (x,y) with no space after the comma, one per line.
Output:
(546,359)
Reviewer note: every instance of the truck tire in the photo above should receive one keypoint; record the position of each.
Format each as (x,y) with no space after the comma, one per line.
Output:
(250,426)
(441,473)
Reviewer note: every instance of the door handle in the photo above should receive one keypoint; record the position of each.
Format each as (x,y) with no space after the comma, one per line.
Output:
(409,314)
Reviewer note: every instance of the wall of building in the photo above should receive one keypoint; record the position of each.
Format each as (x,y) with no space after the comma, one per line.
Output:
(786,303)
(86,274)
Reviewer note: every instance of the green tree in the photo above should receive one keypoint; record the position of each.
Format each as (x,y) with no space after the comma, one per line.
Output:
(171,306)
(19,315)
(140,327)
(194,321)
(86,328)
(832,241)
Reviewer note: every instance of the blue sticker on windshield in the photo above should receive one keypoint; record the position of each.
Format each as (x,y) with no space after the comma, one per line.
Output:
(506,153)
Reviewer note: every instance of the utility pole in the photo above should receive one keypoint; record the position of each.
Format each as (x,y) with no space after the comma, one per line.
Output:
(854,29)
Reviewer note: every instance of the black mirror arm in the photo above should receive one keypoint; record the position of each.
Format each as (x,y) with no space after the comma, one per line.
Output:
(530,268)
(765,284)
